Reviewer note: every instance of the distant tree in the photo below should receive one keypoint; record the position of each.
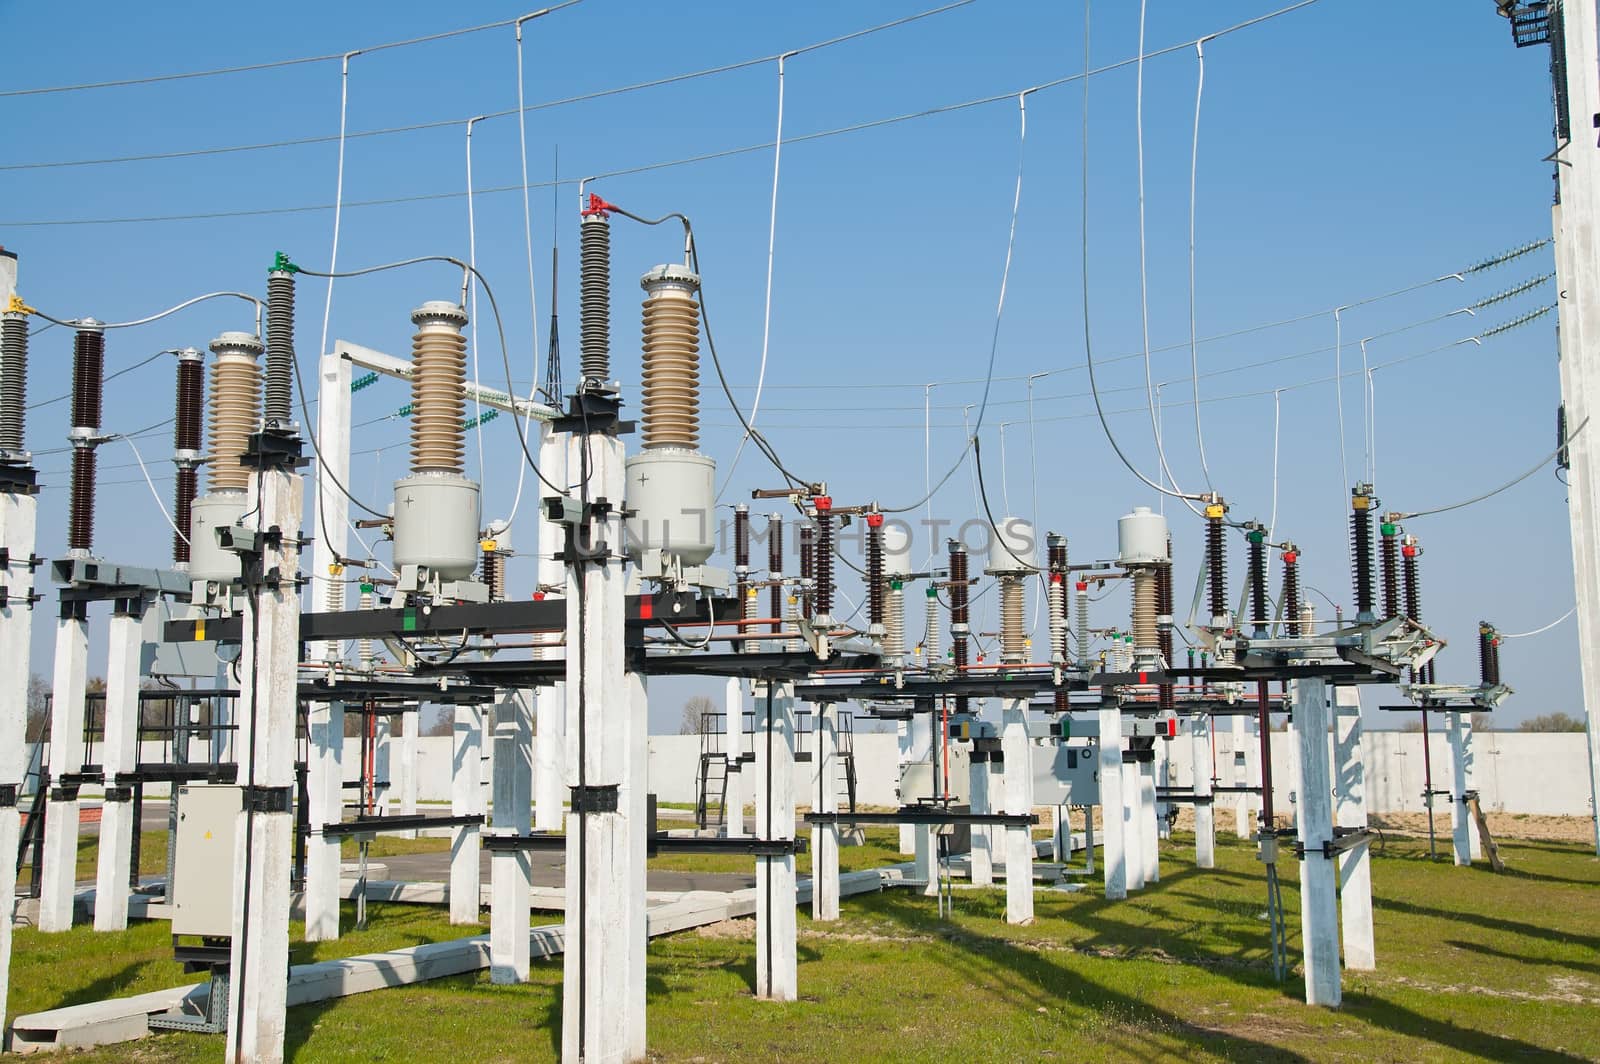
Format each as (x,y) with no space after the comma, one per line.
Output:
(694,712)
(1551,722)
(1483,722)
(434,721)
(1412,726)
(38,707)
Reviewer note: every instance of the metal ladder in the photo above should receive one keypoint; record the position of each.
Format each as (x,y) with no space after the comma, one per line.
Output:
(711,792)
(30,847)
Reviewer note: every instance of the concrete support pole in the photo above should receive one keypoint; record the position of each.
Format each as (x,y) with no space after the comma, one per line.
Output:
(268,662)
(1319,903)
(1239,776)
(1355,865)
(1111,803)
(597,987)
(466,799)
(1133,823)
(981,861)
(550,726)
(1150,840)
(777,976)
(325,791)
(18,517)
(1464,831)
(1061,832)
(409,723)
(1205,820)
(825,837)
(1163,778)
(1018,789)
(511,871)
(733,748)
(66,758)
(119,755)
(908,833)
(635,799)
(918,747)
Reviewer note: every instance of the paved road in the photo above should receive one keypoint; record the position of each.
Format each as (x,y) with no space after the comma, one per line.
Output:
(549,870)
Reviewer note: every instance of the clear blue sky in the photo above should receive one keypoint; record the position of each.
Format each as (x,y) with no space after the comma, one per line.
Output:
(1347,149)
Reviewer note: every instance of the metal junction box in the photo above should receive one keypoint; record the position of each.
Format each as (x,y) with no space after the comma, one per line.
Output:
(202,881)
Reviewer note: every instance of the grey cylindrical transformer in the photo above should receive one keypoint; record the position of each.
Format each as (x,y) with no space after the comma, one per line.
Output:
(672,496)
(436,522)
(211,511)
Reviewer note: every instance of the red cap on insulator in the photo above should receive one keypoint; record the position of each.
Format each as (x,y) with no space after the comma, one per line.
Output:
(1409,551)
(823,503)
(874,520)
(1083,585)
(596,206)
(1290,557)
(1055,578)
(538,596)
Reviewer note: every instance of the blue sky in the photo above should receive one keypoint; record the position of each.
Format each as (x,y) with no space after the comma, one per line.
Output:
(1347,149)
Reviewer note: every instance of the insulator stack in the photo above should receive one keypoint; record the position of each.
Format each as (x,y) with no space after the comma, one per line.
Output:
(808,569)
(1081,589)
(1361,503)
(365,650)
(671,381)
(1164,625)
(1056,600)
(1411,579)
(1291,591)
(438,377)
(741,553)
(492,573)
(88,383)
(235,408)
(1013,622)
(13,380)
(894,622)
(186,445)
(1488,654)
(1144,611)
(933,639)
(876,584)
(1217,562)
(959,613)
(1257,538)
(594,295)
(822,605)
(1389,568)
(775,596)
(280,348)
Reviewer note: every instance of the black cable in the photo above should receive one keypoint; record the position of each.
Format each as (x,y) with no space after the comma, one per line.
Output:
(983,495)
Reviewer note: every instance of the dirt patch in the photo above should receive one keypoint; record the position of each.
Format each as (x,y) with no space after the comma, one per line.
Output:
(742,928)
(1527,826)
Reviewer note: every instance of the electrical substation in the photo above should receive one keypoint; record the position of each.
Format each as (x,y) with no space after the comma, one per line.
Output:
(1055,711)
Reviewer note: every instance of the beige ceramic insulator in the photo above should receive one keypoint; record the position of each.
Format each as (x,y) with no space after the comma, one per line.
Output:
(1144,610)
(1013,628)
(438,374)
(235,408)
(671,400)
(894,623)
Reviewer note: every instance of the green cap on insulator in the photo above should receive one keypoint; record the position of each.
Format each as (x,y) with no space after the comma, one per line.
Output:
(1256,535)
(281,264)
(366,587)
(896,585)
(933,592)
(1388,528)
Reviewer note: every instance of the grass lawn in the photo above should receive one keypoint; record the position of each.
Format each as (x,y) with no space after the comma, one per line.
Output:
(1472,965)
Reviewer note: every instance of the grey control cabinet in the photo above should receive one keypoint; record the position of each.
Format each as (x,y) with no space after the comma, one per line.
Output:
(202,881)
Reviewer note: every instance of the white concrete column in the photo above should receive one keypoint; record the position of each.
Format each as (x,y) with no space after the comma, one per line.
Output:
(1239,775)
(982,857)
(908,832)
(550,744)
(1355,865)
(1061,833)
(1163,778)
(777,977)
(1466,844)
(325,791)
(1319,904)
(825,837)
(918,747)
(119,754)
(409,723)
(733,747)
(466,799)
(511,871)
(383,780)
(1113,853)
(268,663)
(59,874)
(635,799)
(1205,822)
(18,515)
(1133,824)
(597,988)
(1018,790)
(1150,841)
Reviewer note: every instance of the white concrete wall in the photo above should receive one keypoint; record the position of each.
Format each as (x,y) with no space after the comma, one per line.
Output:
(1516,772)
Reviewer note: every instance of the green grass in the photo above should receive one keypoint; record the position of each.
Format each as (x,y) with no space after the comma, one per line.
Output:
(152,857)
(1471,966)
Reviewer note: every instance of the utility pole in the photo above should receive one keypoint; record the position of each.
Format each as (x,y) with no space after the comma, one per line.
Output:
(1568,26)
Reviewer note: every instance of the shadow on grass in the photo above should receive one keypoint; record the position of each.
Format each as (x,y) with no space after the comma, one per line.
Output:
(1034,980)
(1490,923)
(1465,1040)
(1522,958)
